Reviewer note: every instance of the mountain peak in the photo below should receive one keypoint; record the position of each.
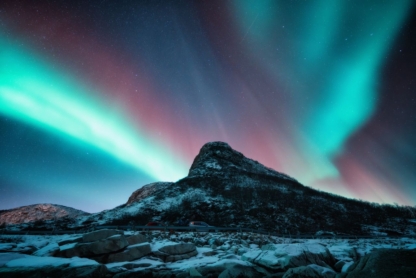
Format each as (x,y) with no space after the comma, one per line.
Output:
(219,158)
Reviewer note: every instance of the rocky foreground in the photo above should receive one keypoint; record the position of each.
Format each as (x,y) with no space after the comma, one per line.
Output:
(114,253)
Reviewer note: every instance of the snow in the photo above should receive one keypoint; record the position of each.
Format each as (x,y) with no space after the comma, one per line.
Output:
(6,246)
(46,250)
(213,165)
(67,246)
(226,252)
(39,262)
(6,257)
(346,266)
(157,245)
(138,244)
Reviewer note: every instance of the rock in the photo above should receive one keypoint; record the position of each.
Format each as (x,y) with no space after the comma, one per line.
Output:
(70,240)
(338,266)
(238,270)
(100,247)
(136,239)
(32,266)
(194,273)
(47,251)
(146,191)
(310,271)
(287,256)
(100,234)
(176,252)
(384,263)
(210,253)
(174,258)
(142,273)
(131,253)
(178,249)
(7,247)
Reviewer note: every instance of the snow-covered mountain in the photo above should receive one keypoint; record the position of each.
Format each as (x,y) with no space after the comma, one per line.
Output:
(227,189)
(38,212)
(224,188)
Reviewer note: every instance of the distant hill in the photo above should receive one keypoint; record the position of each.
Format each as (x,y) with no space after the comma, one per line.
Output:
(38,212)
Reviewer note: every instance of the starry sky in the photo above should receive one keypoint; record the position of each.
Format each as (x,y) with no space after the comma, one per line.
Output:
(98,98)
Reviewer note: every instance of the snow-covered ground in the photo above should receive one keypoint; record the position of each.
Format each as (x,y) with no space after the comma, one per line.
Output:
(213,248)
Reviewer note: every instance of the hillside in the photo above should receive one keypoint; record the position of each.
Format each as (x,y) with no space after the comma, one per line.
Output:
(38,212)
(224,188)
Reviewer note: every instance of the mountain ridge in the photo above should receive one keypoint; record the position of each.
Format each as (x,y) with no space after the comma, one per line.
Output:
(225,188)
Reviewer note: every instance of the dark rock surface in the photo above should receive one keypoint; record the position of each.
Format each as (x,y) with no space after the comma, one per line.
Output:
(384,263)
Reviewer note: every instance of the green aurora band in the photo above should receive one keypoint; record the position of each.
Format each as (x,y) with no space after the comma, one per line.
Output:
(340,90)
(32,92)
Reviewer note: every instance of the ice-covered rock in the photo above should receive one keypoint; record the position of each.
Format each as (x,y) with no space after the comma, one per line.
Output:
(100,234)
(47,251)
(99,247)
(136,239)
(285,256)
(131,253)
(18,265)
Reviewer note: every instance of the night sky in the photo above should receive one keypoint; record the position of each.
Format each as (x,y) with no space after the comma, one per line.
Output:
(98,98)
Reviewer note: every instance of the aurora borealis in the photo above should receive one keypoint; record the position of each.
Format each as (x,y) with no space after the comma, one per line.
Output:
(98,98)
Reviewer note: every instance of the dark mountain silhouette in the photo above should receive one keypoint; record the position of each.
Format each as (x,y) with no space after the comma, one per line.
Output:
(224,188)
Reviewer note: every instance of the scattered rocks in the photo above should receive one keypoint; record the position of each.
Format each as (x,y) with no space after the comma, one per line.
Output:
(134,256)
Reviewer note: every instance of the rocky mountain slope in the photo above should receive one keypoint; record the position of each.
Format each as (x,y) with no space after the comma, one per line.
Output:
(38,212)
(224,188)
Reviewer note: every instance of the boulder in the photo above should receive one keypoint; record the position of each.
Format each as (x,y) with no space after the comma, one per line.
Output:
(136,239)
(70,240)
(231,268)
(100,234)
(178,249)
(47,251)
(238,270)
(284,256)
(339,265)
(174,258)
(176,252)
(310,271)
(194,273)
(7,247)
(32,266)
(103,246)
(131,253)
(384,263)
(143,273)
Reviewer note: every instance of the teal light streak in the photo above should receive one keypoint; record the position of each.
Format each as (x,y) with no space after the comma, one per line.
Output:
(32,92)
(329,52)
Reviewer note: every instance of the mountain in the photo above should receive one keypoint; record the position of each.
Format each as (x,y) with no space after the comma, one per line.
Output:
(38,212)
(225,188)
